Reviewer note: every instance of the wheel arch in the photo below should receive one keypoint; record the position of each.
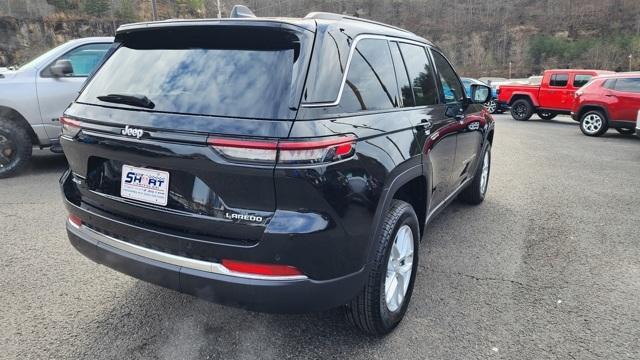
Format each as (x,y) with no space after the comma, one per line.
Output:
(591,107)
(404,181)
(414,192)
(518,96)
(17,118)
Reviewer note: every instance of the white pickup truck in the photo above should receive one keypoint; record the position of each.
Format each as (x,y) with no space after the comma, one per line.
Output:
(34,96)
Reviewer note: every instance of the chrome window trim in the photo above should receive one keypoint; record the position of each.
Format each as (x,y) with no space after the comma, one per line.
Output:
(348,65)
(96,237)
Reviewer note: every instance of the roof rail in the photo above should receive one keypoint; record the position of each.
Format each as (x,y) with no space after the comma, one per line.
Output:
(241,11)
(332,16)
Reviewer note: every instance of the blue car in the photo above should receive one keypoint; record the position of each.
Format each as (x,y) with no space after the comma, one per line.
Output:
(493,106)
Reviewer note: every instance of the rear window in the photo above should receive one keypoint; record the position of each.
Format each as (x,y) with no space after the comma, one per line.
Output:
(581,80)
(224,71)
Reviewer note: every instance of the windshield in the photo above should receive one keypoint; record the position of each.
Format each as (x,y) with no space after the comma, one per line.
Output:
(236,74)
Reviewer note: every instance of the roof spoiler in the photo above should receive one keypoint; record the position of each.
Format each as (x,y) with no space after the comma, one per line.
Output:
(241,11)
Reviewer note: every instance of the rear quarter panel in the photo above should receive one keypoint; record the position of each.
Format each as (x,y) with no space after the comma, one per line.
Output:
(349,194)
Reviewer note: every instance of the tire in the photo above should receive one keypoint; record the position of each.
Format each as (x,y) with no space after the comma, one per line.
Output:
(594,123)
(474,193)
(372,311)
(521,110)
(546,115)
(15,148)
(625,131)
(491,106)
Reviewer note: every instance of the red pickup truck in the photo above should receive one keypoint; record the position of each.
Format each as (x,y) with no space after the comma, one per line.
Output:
(552,97)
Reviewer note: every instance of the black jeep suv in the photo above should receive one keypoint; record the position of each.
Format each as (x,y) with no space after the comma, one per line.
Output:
(281,165)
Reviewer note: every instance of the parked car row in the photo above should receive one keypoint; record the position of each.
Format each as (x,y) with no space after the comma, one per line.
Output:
(598,99)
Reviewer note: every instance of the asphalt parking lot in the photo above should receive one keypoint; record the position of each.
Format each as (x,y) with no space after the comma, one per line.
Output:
(547,267)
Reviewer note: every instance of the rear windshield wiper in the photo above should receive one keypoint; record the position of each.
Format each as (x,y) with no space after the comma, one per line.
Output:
(134,100)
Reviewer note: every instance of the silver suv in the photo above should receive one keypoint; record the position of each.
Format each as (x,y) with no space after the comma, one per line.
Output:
(34,96)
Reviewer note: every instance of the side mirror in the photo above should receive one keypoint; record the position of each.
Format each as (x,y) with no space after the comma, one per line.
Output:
(61,68)
(480,94)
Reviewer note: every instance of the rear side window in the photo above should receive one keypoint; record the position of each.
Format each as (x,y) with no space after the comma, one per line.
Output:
(371,79)
(581,80)
(420,73)
(609,84)
(628,85)
(452,91)
(248,73)
(559,80)
(402,76)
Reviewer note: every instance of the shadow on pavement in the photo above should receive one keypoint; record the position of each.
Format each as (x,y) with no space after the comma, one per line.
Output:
(565,121)
(44,162)
(182,326)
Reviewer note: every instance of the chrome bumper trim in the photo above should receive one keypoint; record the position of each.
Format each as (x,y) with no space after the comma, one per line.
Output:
(87,233)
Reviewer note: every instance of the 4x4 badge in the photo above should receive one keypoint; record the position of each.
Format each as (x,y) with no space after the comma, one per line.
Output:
(129,131)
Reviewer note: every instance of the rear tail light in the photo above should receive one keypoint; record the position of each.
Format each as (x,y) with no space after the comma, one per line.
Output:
(255,150)
(261,269)
(318,151)
(286,151)
(75,221)
(70,127)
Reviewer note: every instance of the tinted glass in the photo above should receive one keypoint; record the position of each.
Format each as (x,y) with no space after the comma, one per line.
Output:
(204,75)
(559,80)
(328,65)
(581,80)
(84,59)
(402,76)
(371,79)
(452,91)
(609,84)
(628,85)
(420,73)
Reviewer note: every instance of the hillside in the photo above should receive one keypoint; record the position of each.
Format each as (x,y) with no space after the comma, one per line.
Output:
(480,37)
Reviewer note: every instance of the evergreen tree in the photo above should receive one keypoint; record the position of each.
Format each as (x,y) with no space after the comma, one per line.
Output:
(96,8)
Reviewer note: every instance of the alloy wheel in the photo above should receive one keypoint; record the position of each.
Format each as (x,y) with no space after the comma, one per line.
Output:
(399,268)
(484,177)
(520,110)
(592,123)
(491,106)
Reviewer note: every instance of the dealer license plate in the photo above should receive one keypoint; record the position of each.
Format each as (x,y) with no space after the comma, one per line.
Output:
(148,185)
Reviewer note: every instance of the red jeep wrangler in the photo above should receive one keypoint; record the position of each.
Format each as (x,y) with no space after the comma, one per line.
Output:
(552,97)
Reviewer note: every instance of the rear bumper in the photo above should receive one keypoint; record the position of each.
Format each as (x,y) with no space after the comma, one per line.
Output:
(204,279)
(282,296)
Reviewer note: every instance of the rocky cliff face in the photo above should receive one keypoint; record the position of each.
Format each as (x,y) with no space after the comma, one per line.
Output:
(24,39)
